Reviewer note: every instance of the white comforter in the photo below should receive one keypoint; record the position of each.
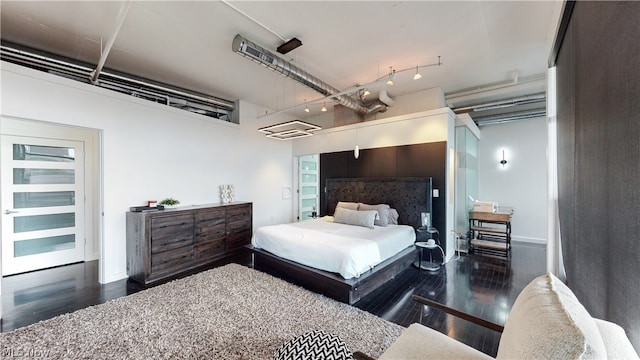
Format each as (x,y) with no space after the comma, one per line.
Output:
(345,249)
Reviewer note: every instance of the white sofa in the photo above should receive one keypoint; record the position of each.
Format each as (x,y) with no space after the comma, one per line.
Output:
(546,322)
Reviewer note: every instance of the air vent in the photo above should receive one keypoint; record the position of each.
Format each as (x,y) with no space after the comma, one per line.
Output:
(253,51)
(145,89)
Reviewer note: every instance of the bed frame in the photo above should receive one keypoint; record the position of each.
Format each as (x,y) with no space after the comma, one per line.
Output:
(410,196)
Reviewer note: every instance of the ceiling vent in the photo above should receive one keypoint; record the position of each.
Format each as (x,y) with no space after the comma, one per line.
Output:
(145,89)
(250,50)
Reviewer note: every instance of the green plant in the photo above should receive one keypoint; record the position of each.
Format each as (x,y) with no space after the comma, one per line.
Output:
(169,201)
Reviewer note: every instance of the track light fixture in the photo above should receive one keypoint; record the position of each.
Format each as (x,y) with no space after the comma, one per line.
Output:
(417,76)
(306,108)
(324,107)
(391,76)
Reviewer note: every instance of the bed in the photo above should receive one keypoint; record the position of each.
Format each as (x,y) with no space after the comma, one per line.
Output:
(327,245)
(380,253)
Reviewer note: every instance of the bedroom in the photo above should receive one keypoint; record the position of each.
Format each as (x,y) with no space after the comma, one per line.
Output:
(156,137)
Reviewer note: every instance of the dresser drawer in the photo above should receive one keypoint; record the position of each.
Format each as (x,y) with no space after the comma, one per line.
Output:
(210,225)
(170,232)
(239,226)
(241,212)
(174,258)
(209,250)
(238,240)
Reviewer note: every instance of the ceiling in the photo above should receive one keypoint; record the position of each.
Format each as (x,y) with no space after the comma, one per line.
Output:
(345,43)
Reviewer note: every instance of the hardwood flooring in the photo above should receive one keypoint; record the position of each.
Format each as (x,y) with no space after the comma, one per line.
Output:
(479,285)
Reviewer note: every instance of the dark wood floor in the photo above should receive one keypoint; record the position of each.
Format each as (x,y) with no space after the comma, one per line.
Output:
(479,285)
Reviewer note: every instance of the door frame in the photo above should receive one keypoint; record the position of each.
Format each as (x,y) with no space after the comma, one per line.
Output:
(93,173)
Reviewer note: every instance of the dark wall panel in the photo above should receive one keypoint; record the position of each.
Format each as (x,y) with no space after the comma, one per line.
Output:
(599,159)
(419,160)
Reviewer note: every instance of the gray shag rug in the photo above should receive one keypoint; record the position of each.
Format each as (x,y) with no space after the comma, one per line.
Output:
(230,312)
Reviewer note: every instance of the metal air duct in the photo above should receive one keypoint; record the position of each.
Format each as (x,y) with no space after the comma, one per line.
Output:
(258,54)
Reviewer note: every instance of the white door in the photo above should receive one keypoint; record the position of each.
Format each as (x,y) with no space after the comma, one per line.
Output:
(42,215)
(308,186)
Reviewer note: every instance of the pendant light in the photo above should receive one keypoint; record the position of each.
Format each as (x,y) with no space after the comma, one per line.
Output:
(356,150)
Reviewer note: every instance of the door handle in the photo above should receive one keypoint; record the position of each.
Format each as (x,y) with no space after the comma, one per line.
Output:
(10,211)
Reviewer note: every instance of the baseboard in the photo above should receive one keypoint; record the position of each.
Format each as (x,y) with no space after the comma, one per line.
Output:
(530,240)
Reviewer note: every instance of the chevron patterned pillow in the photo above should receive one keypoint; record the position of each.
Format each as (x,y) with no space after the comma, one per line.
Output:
(314,345)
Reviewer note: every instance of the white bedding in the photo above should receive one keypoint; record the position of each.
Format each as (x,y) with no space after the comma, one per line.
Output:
(345,249)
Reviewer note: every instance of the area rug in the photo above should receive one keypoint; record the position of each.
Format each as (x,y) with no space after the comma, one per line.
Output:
(231,312)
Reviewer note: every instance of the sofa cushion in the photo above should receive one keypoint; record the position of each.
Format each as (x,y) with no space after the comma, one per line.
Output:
(615,341)
(548,322)
(421,342)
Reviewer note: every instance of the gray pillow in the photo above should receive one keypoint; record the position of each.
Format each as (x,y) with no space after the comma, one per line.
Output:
(383,213)
(393,216)
(347,205)
(355,217)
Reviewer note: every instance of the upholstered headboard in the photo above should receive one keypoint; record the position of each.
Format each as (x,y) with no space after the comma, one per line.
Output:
(410,196)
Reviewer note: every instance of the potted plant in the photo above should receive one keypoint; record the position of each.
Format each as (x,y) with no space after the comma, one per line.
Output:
(169,202)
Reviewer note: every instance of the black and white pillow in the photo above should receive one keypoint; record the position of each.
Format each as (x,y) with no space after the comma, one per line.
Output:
(314,345)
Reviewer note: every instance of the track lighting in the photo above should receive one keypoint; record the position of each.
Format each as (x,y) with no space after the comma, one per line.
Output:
(306,108)
(417,76)
(366,92)
(324,107)
(391,76)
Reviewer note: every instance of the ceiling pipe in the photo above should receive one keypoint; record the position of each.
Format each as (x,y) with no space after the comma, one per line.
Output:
(250,50)
(124,9)
(329,97)
(506,118)
(515,84)
(522,100)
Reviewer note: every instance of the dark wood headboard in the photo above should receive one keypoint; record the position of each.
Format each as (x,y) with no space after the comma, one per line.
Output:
(409,196)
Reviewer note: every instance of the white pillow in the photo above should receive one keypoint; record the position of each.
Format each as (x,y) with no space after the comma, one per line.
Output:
(347,205)
(548,322)
(383,213)
(355,217)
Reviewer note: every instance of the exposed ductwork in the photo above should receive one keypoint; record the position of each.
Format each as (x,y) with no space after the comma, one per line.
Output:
(510,117)
(175,97)
(258,54)
(521,100)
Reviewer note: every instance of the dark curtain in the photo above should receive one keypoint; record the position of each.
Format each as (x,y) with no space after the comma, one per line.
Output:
(598,78)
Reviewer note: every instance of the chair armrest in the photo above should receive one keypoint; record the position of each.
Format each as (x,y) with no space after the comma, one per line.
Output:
(460,314)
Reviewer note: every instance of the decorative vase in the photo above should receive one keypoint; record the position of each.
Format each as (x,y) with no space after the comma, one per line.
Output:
(226,194)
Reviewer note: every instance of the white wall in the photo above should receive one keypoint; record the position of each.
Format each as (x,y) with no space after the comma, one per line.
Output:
(522,183)
(151,151)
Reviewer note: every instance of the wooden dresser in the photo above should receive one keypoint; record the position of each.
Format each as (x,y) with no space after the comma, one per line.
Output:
(164,243)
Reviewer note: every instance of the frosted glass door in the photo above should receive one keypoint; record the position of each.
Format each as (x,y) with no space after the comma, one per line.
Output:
(42,203)
(309,186)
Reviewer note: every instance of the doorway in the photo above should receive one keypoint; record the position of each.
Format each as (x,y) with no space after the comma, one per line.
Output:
(50,194)
(308,186)
(42,220)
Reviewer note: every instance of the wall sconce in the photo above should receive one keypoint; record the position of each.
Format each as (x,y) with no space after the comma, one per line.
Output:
(503,162)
